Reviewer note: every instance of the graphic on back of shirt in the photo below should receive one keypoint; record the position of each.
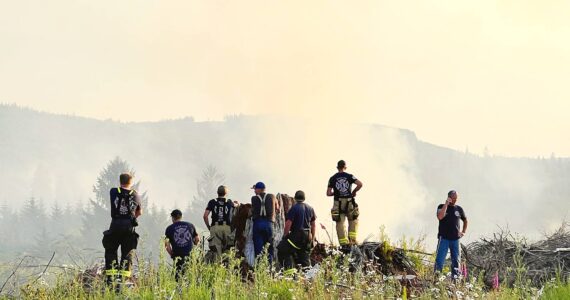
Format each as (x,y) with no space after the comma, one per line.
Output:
(341,184)
(182,236)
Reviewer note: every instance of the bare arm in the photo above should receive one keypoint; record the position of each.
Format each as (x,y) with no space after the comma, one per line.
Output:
(276,203)
(330,192)
(313,230)
(441,212)
(464,228)
(288,224)
(358,187)
(196,240)
(168,246)
(206,214)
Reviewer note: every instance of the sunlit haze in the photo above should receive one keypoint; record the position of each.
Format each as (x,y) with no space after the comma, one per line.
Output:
(459,73)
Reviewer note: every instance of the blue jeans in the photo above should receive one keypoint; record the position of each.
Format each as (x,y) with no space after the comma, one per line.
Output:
(442,247)
(262,235)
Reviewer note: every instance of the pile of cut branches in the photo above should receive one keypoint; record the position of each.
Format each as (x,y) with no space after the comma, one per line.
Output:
(511,258)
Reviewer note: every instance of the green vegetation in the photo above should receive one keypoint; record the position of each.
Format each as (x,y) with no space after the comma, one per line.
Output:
(331,279)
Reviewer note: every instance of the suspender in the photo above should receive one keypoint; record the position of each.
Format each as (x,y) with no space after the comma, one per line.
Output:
(262,211)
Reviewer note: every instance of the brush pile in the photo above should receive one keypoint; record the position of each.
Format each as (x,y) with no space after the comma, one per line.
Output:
(373,256)
(510,257)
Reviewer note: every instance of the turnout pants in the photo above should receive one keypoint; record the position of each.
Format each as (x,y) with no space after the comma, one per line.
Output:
(127,239)
(294,250)
(344,208)
(220,239)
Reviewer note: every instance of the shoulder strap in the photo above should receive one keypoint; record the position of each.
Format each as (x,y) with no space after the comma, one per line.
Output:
(262,211)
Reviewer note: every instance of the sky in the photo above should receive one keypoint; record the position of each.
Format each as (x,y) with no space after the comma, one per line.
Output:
(461,74)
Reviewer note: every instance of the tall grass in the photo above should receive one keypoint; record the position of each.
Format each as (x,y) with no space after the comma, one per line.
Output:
(331,279)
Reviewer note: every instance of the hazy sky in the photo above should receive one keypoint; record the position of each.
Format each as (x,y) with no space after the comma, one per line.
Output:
(479,73)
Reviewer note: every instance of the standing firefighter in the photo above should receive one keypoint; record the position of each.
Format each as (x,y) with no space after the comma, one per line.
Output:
(125,209)
(263,209)
(222,210)
(295,247)
(180,239)
(340,186)
(449,234)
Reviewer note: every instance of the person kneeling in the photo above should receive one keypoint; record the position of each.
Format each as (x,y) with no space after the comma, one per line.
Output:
(295,247)
(180,238)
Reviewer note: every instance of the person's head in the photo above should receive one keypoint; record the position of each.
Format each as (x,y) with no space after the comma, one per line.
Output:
(176,215)
(259,188)
(126,180)
(341,165)
(453,196)
(222,191)
(300,196)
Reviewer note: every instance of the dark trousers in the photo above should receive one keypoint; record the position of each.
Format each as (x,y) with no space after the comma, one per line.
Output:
(294,250)
(127,239)
(180,265)
(262,235)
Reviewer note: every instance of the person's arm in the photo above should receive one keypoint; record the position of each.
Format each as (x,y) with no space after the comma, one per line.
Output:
(206,214)
(196,239)
(330,192)
(167,246)
(138,210)
(464,230)
(288,224)
(358,187)
(276,203)
(441,212)
(313,230)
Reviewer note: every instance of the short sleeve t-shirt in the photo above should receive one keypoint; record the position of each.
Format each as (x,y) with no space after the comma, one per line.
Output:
(218,214)
(449,225)
(181,237)
(341,183)
(120,199)
(301,215)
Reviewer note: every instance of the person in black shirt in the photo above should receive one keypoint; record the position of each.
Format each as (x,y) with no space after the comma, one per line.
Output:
(222,211)
(295,247)
(340,187)
(125,209)
(449,215)
(180,239)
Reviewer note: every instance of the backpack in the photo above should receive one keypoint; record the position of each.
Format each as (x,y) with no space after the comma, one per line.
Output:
(124,205)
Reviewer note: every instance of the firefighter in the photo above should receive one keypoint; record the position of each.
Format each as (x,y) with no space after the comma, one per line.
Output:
(222,210)
(180,239)
(264,206)
(344,207)
(299,234)
(125,209)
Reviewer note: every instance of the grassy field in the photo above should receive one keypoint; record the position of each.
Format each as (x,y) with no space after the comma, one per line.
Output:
(331,279)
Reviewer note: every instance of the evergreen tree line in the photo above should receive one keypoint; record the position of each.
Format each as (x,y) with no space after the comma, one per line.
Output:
(74,232)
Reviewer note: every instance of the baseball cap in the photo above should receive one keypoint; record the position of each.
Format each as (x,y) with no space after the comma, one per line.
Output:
(259,185)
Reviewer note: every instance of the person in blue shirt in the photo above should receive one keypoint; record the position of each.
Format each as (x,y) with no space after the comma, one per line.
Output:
(264,206)
(295,247)
(180,239)
(449,215)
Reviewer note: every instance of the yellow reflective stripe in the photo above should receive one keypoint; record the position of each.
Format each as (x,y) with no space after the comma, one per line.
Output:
(343,241)
(111,272)
(131,192)
(352,234)
(119,190)
(125,273)
(294,246)
(290,272)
